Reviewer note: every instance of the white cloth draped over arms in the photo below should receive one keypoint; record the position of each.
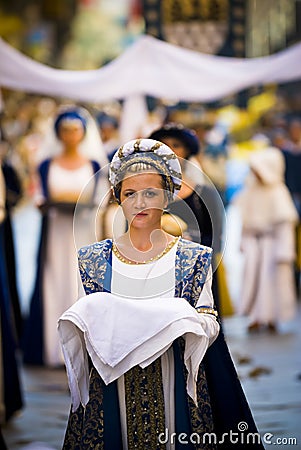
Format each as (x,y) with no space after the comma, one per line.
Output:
(112,330)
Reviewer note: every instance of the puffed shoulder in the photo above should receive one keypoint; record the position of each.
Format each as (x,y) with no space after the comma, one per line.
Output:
(94,263)
(96,247)
(190,245)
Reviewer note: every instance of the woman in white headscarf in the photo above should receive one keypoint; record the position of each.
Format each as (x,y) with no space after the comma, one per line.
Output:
(268,218)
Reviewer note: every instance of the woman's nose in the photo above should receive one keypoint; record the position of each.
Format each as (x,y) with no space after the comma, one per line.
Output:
(139,200)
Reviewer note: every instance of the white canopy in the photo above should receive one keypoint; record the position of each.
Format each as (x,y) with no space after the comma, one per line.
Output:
(150,67)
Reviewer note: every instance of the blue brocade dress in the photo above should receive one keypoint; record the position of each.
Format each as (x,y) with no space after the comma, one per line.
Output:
(222,404)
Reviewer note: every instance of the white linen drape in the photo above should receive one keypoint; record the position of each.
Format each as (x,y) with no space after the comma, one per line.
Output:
(150,67)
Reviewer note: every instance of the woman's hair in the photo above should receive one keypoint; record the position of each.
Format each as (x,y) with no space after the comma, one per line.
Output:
(69,116)
(140,167)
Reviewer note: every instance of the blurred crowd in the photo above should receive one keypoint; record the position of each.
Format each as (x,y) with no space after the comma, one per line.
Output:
(55,155)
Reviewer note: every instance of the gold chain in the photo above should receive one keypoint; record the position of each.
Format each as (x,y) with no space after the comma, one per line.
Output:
(154,258)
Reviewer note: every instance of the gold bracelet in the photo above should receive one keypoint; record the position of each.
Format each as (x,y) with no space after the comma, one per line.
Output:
(206,310)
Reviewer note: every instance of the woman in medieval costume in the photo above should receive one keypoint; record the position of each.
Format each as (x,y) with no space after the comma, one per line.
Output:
(145,357)
(69,186)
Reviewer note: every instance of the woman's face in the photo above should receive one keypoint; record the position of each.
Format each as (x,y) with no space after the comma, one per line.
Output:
(177,146)
(71,133)
(143,199)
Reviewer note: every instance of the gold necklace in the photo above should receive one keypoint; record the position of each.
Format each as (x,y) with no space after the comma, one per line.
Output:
(154,258)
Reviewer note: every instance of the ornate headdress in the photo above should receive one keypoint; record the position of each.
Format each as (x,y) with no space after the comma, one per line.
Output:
(151,153)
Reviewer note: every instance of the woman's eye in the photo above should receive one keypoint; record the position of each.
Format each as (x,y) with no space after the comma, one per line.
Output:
(130,194)
(149,194)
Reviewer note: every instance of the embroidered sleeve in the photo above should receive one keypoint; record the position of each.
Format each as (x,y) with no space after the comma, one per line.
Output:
(89,285)
(93,264)
(201,270)
(192,266)
(207,312)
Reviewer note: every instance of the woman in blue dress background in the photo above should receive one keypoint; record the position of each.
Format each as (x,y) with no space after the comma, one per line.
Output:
(69,182)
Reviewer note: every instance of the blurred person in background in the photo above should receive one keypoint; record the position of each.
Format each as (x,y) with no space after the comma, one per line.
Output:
(278,138)
(109,132)
(268,218)
(291,150)
(11,400)
(215,156)
(198,204)
(70,185)
(14,192)
(29,143)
